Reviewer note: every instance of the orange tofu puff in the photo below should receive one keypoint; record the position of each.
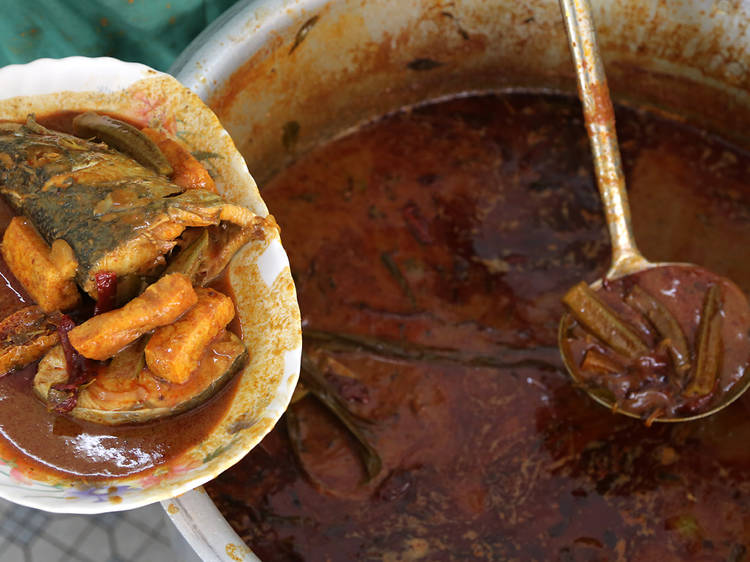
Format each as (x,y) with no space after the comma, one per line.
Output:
(188,172)
(48,276)
(160,304)
(174,351)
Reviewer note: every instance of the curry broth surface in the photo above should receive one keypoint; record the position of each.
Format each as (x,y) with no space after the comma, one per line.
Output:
(451,232)
(60,444)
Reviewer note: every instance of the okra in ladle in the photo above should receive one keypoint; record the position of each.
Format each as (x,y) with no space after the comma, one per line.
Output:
(663,342)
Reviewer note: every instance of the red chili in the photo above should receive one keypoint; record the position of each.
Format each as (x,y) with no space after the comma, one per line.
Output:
(72,358)
(79,372)
(106,291)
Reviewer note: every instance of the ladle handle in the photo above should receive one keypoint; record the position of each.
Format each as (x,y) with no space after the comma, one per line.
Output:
(600,124)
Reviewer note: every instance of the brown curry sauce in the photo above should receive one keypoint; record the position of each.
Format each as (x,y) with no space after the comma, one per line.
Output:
(451,232)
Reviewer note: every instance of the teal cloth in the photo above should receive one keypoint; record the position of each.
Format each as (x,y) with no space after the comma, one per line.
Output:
(152,32)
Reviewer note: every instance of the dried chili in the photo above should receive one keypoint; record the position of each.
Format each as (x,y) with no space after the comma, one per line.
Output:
(64,396)
(106,291)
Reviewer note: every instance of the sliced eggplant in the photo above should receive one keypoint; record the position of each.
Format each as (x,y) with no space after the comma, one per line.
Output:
(125,391)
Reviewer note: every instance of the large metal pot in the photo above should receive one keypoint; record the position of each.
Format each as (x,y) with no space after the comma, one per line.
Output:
(284,75)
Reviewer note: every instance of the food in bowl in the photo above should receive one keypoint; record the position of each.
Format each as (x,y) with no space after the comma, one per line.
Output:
(431,296)
(133,219)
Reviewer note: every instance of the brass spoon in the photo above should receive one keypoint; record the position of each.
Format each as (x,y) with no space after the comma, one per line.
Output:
(600,126)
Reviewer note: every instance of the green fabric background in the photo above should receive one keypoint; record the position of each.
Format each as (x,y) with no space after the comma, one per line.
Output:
(152,32)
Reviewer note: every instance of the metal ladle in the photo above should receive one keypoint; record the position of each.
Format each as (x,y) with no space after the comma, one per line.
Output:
(600,126)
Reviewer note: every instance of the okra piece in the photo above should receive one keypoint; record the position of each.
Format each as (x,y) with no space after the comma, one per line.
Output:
(599,363)
(318,387)
(124,137)
(666,325)
(603,322)
(190,259)
(708,346)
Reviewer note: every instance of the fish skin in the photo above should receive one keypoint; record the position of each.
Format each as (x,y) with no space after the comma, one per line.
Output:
(98,200)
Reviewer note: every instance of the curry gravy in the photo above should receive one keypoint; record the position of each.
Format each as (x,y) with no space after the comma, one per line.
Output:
(450,233)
